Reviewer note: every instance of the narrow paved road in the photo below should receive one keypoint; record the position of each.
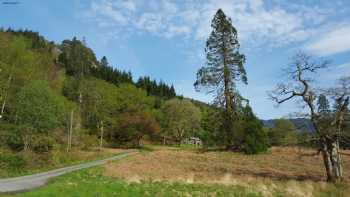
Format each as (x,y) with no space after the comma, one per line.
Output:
(29,182)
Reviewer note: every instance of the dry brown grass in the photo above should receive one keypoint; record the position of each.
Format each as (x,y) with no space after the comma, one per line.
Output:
(281,164)
(293,169)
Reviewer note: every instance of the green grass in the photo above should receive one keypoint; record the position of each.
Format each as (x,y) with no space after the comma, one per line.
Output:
(92,183)
(35,164)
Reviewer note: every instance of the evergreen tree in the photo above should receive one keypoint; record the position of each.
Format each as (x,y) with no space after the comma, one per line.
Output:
(108,73)
(224,68)
(154,88)
(37,41)
(255,139)
(104,62)
(172,91)
(325,115)
(77,58)
(323,104)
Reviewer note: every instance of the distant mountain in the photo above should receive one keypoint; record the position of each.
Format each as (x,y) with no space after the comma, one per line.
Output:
(302,124)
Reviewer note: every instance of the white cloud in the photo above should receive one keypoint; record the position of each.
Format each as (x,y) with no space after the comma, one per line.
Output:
(128,4)
(104,12)
(169,7)
(336,40)
(177,30)
(150,22)
(328,77)
(344,66)
(258,22)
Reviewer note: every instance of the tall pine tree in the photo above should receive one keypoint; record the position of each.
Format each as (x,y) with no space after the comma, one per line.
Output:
(223,69)
(323,104)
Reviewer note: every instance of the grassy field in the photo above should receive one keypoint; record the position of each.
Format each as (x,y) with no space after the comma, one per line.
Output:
(185,172)
(92,183)
(34,163)
(193,165)
(285,171)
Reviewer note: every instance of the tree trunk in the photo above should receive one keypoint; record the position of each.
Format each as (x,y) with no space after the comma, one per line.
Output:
(5,97)
(139,144)
(26,142)
(3,107)
(228,109)
(179,137)
(101,138)
(332,161)
(70,131)
(27,139)
(336,161)
(327,162)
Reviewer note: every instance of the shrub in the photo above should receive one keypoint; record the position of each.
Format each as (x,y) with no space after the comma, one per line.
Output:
(12,162)
(255,139)
(87,142)
(283,133)
(10,136)
(42,143)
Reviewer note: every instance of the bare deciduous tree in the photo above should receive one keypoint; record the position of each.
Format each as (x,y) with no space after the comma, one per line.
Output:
(300,87)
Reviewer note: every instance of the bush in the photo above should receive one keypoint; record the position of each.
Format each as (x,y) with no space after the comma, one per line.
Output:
(210,132)
(42,143)
(10,136)
(255,138)
(87,142)
(11,162)
(283,133)
(13,136)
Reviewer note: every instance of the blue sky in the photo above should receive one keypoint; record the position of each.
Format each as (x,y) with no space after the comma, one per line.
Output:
(165,39)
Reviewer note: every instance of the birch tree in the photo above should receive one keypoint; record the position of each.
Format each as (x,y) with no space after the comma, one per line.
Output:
(39,110)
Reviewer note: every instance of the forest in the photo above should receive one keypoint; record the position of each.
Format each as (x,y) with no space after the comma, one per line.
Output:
(58,98)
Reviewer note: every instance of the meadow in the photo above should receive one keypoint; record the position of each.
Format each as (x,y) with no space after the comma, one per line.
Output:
(169,171)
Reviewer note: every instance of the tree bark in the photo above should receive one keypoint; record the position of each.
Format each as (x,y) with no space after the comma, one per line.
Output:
(3,107)
(101,138)
(336,161)
(26,142)
(70,131)
(327,162)
(332,161)
(227,95)
(328,138)
(5,97)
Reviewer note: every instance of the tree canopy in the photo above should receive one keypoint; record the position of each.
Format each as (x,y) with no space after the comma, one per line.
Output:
(181,119)
(38,107)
